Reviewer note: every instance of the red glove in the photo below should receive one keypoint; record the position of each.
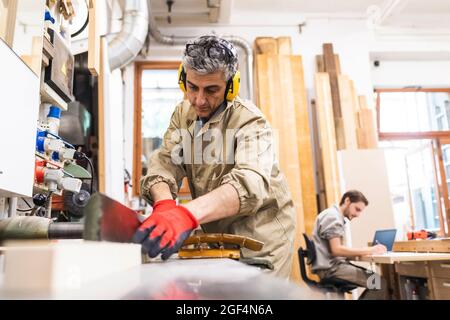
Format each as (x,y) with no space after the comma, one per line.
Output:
(165,231)
(162,205)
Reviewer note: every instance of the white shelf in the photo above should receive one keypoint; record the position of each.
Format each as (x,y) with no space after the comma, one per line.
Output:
(50,96)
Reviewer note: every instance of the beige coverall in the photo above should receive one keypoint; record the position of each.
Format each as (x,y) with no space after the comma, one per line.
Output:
(266,211)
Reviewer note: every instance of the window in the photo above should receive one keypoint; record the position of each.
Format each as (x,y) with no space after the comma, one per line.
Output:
(414,111)
(413,128)
(160,95)
(156,96)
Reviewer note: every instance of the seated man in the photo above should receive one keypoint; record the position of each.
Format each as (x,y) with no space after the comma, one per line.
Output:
(332,254)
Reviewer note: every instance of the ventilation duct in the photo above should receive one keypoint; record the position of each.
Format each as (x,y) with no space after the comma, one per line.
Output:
(129,41)
(176,40)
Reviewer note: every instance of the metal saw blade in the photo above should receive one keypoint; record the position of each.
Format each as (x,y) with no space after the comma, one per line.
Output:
(109,220)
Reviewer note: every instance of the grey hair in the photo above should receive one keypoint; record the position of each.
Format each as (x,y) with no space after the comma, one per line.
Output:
(198,57)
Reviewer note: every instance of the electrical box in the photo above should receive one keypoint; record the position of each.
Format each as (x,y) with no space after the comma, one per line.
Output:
(59,73)
(19,101)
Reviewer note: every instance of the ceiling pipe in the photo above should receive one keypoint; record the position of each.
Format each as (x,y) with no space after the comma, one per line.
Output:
(378,15)
(126,45)
(178,40)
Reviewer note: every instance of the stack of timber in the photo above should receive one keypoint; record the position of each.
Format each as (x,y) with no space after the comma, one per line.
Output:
(280,93)
(354,120)
(344,121)
(328,151)
(366,130)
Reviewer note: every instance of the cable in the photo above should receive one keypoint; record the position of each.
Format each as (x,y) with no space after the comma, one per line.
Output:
(92,171)
(26,202)
(73,35)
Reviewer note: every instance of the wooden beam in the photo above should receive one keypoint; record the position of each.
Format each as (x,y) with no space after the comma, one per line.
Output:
(324,105)
(137,131)
(287,130)
(330,67)
(337,63)
(348,111)
(284,45)
(10,22)
(263,83)
(277,101)
(101,116)
(321,194)
(320,65)
(367,132)
(265,45)
(94,38)
(305,153)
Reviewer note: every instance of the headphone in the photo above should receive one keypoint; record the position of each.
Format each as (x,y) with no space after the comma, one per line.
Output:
(231,90)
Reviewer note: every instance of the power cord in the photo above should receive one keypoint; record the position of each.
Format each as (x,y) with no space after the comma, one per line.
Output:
(92,172)
(73,35)
(25,210)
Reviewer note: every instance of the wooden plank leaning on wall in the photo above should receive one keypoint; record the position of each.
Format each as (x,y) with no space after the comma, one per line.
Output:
(137,130)
(366,129)
(276,100)
(332,70)
(94,45)
(321,191)
(102,79)
(305,151)
(327,133)
(348,108)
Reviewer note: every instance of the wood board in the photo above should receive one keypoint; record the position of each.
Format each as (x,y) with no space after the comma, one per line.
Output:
(327,137)
(305,150)
(348,108)
(65,264)
(94,44)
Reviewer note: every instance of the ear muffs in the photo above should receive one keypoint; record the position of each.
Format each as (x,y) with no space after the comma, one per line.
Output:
(231,90)
(233,85)
(182,78)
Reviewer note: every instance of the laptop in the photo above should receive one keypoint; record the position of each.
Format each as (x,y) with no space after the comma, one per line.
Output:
(385,237)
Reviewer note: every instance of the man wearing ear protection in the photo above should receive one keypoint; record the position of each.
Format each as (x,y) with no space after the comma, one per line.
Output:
(225,148)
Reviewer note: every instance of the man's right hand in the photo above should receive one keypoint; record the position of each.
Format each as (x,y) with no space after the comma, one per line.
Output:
(378,249)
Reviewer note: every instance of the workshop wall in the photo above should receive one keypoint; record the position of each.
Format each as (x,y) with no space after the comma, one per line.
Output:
(400,73)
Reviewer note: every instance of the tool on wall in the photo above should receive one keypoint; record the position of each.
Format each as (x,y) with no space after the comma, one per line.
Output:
(59,73)
(421,234)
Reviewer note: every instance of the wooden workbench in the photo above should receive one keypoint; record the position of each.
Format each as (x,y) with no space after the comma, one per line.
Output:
(393,257)
(428,260)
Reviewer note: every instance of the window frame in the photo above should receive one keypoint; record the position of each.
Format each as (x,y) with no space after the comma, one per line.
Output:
(438,138)
(139,68)
(407,135)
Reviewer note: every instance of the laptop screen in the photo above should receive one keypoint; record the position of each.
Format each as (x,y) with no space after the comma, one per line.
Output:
(385,237)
